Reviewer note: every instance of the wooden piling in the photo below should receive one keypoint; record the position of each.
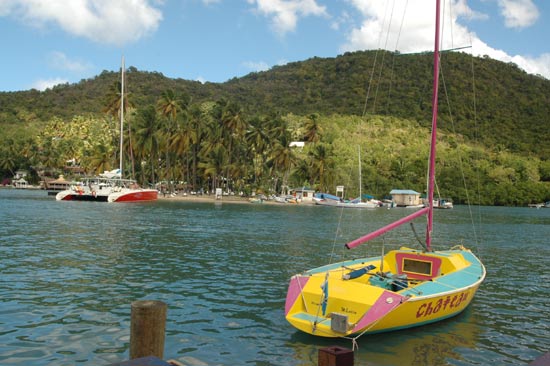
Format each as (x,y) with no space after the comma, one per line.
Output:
(147,329)
(335,356)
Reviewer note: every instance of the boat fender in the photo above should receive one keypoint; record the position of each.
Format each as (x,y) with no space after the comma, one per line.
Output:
(93,193)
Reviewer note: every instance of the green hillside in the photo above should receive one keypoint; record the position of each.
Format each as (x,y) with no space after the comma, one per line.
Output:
(205,133)
(513,107)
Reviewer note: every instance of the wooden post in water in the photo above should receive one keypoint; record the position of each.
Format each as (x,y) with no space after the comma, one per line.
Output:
(335,356)
(147,329)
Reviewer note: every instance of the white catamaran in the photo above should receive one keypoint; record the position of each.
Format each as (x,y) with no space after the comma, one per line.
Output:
(109,186)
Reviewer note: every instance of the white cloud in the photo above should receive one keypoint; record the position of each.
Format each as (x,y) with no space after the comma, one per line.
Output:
(534,65)
(382,28)
(256,66)
(538,66)
(284,14)
(6,7)
(102,21)
(48,83)
(60,61)
(518,13)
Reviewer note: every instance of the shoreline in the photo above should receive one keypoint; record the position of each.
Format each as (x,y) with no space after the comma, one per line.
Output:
(212,199)
(205,198)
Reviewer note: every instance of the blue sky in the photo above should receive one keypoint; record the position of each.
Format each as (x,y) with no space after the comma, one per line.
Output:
(47,42)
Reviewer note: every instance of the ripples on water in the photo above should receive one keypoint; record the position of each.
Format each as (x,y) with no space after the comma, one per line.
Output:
(71,270)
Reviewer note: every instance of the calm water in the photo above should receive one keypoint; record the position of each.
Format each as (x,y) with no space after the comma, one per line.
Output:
(70,270)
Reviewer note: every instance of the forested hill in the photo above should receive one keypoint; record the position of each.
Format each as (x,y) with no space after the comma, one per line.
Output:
(512,108)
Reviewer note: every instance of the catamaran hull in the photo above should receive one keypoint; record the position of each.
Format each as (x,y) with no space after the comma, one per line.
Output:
(330,306)
(71,195)
(134,196)
(130,195)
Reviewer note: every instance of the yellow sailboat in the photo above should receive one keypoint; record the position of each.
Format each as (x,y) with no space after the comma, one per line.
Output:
(401,289)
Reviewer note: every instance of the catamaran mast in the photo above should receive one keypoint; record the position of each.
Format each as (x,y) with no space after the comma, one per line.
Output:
(431,171)
(121,116)
(360,175)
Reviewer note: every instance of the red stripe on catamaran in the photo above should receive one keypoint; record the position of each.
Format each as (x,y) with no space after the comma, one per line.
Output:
(145,195)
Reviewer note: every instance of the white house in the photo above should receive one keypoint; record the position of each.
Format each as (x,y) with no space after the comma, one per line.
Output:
(405,198)
(19,179)
(303,194)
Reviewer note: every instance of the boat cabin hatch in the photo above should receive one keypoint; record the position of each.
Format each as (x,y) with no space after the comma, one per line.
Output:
(418,267)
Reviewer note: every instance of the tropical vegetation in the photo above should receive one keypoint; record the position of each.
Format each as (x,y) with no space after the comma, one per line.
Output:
(237,135)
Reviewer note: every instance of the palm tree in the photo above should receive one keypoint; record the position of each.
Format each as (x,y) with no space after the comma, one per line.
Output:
(322,164)
(169,105)
(147,138)
(257,141)
(229,116)
(196,125)
(313,130)
(112,100)
(183,142)
(282,158)
(214,163)
(8,157)
(100,160)
(29,150)
(303,172)
(213,137)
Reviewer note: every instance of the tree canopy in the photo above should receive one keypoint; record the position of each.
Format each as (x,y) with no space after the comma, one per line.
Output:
(237,134)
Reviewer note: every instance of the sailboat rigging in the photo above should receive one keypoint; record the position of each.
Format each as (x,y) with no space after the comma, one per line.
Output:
(400,289)
(110,186)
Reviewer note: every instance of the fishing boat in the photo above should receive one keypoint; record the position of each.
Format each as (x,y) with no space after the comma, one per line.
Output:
(399,289)
(109,186)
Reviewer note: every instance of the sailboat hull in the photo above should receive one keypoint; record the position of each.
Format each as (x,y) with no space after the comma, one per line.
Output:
(415,289)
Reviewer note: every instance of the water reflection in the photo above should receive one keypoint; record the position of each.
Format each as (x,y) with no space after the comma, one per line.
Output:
(428,345)
(69,276)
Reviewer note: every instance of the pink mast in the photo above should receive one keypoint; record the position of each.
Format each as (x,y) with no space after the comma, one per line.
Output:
(431,170)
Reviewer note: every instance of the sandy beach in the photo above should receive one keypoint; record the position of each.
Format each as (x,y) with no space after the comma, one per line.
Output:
(212,199)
